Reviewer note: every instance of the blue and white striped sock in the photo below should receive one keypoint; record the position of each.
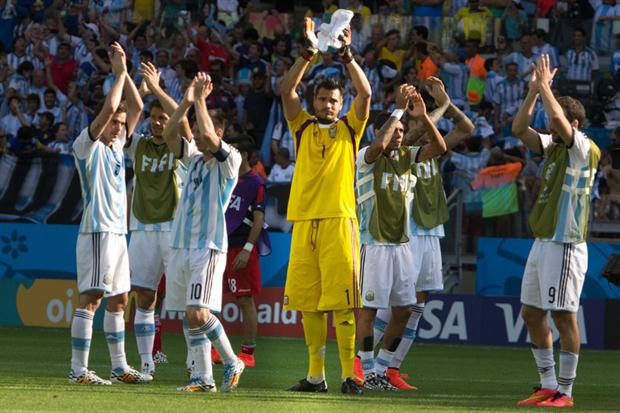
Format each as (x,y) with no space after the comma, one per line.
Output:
(114,330)
(189,360)
(382,362)
(408,337)
(380,324)
(81,335)
(200,349)
(216,334)
(144,327)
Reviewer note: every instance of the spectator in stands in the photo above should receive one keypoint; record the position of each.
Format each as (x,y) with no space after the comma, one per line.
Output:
(18,55)
(477,72)
(44,126)
(257,165)
(427,13)
(541,46)
(389,49)
(254,60)
(50,105)
(427,66)
(457,75)
(328,68)
(15,119)
(371,70)
(582,61)
(525,59)
(38,85)
(282,171)
(472,21)
(509,93)
(63,67)
(20,81)
(162,62)
(493,67)
(219,98)
(61,143)
(33,104)
(514,21)
(211,49)
(605,13)
(357,6)
(257,106)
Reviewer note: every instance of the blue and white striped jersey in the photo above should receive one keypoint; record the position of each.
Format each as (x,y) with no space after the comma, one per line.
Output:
(490,85)
(375,84)
(525,64)
(602,30)
(101,170)
(457,74)
(509,93)
(199,221)
(554,58)
(581,64)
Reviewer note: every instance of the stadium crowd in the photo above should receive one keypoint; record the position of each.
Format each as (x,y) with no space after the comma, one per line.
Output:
(55,71)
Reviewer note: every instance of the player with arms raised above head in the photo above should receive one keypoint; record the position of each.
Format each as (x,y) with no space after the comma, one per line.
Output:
(158,177)
(102,262)
(384,188)
(199,241)
(557,264)
(323,271)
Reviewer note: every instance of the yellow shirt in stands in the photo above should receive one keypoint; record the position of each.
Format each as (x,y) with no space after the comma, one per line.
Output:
(324,175)
(397,57)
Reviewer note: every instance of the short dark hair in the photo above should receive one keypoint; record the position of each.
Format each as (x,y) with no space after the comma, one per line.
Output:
(540,33)
(380,120)
(33,96)
(580,30)
(122,108)
(573,109)
(391,32)
(488,63)
(49,116)
(250,34)
(421,48)
(422,31)
(156,104)
(243,143)
(146,54)
(25,66)
(328,83)
(219,119)
(189,67)
(284,152)
(49,91)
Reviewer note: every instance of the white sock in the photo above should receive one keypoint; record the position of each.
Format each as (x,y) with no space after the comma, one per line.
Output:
(408,336)
(201,354)
(546,367)
(381,321)
(383,360)
(568,372)
(144,327)
(216,334)
(368,361)
(189,360)
(114,329)
(81,335)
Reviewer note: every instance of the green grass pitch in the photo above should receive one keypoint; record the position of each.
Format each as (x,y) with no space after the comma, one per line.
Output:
(35,366)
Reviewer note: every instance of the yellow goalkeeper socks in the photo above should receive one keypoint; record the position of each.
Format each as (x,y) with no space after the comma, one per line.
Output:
(344,322)
(315,331)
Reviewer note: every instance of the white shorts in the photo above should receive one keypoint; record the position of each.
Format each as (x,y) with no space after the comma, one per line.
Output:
(426,263)
(554,275)
(386,278)
(102,263)
(194,278)
(148,257)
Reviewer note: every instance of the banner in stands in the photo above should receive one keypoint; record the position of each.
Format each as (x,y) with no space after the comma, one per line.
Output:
(501,262)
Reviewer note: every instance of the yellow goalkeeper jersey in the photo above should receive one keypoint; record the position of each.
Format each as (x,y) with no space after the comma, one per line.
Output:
(323,182)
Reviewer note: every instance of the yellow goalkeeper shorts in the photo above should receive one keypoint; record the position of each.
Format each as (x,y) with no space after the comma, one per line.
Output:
(323,270)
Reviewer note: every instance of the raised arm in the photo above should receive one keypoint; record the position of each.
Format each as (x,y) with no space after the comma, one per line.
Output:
(205,124)
(361,103)
(171,131)
(557,118)
(521,124)
(437,90)
(383,138)
(134,104)
(436,146)
(290,81)
(113,99)
(463,127)
(150,77)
